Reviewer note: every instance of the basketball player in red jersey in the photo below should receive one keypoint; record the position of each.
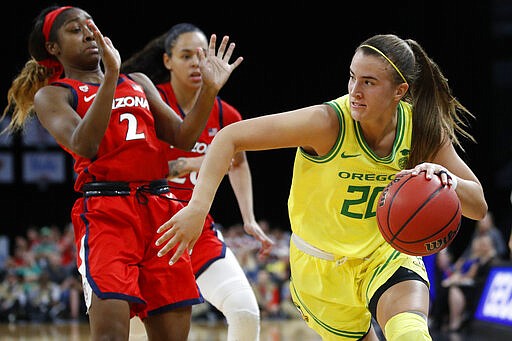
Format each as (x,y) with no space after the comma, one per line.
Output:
(103,119)
(171,62)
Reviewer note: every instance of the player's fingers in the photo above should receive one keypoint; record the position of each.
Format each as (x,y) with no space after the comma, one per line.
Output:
(213,43)
(96,32)
(167,247)
(264,251)
(165,226)
(262,237)
(267,246)
(404,172)
(418,169)
(201,54)
(179,251)
(256,233)
(192,243)
(108,42)
(222,47)
(229,52)
(237,62)
(445,177)
(164,237)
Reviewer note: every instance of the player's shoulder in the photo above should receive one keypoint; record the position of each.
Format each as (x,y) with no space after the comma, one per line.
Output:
(228,110)
(137,77)
(225,104)
(60,88)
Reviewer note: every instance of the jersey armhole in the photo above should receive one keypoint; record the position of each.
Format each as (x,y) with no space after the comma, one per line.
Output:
(74,102)
(337,144)
(221,115)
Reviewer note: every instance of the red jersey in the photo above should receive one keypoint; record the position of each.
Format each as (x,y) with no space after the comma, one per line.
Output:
(130,149)
(222,114)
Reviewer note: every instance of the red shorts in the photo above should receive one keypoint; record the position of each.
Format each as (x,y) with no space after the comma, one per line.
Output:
(208,248)
(117,256)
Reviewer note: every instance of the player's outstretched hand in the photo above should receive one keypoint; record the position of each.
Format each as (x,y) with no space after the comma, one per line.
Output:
(214,65)
(182,231)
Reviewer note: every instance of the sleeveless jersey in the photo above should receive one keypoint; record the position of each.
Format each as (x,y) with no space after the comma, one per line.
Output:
(221,115)
(130,149)
(333,198)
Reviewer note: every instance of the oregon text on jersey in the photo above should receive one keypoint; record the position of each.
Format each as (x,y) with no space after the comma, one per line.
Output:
(366,176)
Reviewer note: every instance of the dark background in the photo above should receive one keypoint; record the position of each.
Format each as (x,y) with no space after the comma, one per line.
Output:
(296,54)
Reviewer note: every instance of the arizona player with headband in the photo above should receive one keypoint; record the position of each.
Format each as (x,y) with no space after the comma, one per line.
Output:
(171,61)
(398,112)
(113,125)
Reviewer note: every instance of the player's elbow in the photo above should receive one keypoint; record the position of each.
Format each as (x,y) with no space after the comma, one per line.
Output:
(476,211)
(85,149)
(184,145)
(482,212)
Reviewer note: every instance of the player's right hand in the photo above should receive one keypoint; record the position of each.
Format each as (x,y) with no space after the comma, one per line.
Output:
(181,231)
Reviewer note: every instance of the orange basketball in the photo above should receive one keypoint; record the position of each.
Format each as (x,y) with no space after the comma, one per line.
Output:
(418,216)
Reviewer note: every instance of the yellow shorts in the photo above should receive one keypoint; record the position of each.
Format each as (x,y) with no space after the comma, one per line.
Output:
(333,294)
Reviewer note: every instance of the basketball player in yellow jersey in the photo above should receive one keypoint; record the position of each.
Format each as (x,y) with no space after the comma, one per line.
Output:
(399,112)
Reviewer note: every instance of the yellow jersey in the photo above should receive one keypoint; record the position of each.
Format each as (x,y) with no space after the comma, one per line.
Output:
(333,198)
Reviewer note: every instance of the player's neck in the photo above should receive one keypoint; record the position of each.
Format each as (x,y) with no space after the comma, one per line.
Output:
(84,75)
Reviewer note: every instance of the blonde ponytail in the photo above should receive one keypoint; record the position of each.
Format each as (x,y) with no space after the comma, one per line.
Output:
(20,97)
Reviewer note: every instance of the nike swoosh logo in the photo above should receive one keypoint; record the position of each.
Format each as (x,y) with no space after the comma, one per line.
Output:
(89,98)
(346,156)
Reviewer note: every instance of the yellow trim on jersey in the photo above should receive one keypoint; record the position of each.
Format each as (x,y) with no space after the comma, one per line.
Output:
(362,143)
(400,126)
(333,152)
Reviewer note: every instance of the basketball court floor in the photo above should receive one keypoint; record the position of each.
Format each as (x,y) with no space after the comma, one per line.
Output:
(282,330)
(271,330)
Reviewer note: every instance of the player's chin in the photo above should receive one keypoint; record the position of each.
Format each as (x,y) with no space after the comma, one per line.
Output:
(358,113)
(93,60)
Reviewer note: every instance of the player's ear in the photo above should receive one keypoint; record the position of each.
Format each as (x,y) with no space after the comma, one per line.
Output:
(401,90)
(52,48)
(167,61)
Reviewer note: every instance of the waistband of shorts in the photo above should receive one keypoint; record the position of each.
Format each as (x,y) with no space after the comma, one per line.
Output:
(311,250)
(116,188)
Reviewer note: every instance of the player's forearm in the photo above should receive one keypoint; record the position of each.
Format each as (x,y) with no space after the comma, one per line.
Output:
(241,182)
(213,169)
(195,121)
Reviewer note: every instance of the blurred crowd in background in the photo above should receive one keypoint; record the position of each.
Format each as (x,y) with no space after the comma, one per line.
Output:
(39,281)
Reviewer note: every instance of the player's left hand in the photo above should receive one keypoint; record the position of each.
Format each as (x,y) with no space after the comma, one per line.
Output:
(431,169)
(214,65)
(254,229)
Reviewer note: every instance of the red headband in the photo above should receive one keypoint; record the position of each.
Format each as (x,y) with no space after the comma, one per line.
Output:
(51,63)
(49,19)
